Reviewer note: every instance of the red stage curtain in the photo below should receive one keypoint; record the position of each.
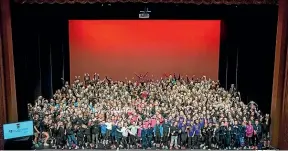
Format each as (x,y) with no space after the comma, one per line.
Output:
(198,2)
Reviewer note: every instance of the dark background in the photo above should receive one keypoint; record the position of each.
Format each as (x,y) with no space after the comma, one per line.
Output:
(41,48)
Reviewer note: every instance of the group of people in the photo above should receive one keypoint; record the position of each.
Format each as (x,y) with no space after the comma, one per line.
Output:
(174,112)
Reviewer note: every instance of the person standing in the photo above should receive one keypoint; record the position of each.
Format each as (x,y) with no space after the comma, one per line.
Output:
(249,134)
(118,135)
(166,133)
(133,129)
(174,136)
(95,130)
(144,142)
(124,131)
(257,134)
(150,132)
(196,134)
(158,134)
(236,135)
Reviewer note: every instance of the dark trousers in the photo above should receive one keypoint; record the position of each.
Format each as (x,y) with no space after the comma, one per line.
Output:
(95,139)
(113,139)
(144,143)
(208,142)
(257,138)
(88,138)
(124,142)
(165,140)
(108,135)
(157,139)
(195,141)
(60,141)
(118,141)
(103,136)
(249,141)
(132,140)
(179,140)
(228,142)
(80,141)
(236,141)
(190,142)
(150,141)
(183,139)
(222,141)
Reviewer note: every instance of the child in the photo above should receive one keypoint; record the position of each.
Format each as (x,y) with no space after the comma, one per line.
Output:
(144,134)
(107,136)
(113,134)
(103,129)
(196,134)
(222,135)
(71,136)
(150,135)
(249,134)
(216,137)
(60,138)
(80,136)
(183,135)
(87,133)
(204,135)
(174,136)
(158,134)
(95,130)
(236,135)
(209,135)
(228,138)
(242,134)
(139,133)
(257,134)
(124,131)
(118,136)
(133,134)
(190,134)
(166,133)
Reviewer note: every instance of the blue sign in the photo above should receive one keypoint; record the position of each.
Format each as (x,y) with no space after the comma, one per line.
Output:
(16,130)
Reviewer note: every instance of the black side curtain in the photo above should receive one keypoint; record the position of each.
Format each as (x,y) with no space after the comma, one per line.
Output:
(247,57)
(41,56)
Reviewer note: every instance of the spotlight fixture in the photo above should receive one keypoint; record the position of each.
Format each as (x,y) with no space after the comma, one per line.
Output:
(144,14)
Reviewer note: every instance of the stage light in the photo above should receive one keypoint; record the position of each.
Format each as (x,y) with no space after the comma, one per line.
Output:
(144,14)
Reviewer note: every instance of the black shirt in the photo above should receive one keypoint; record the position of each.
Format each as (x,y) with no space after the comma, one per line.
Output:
(174,131)
(69,131)
(60,132)
(87,130)
(95,129)
(45,127)
(210,131)
(37,124)
(80,132)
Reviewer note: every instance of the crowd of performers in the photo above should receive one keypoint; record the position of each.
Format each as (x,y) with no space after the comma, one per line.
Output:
(170,113)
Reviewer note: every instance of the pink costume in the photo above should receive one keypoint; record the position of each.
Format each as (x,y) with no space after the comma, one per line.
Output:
(139,132)
(153,122)
(146,124)
(249,130)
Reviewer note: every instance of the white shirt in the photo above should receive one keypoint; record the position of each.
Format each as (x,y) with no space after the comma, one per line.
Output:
(108,126)
(124,131)
(133,130)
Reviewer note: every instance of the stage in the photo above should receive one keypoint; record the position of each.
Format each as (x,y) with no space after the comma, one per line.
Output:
(38,50)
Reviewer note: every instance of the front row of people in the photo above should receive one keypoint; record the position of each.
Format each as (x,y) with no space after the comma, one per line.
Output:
(165,135)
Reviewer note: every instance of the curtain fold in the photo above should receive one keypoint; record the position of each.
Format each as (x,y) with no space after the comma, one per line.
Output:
(40,62)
